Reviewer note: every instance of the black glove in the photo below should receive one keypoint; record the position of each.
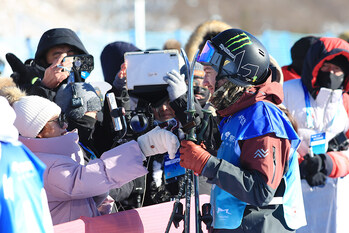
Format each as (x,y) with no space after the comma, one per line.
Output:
(23,74)
(313,170)
(316,179)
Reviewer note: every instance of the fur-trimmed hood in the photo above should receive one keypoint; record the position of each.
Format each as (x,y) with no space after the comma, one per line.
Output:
(203,32)
(10,91)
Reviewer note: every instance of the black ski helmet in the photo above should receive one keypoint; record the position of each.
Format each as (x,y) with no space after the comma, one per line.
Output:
(244,61)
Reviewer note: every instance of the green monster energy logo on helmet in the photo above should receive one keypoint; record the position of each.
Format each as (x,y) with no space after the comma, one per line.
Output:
(241,38)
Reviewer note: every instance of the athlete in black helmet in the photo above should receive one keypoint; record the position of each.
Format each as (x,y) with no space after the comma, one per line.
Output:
(255,176)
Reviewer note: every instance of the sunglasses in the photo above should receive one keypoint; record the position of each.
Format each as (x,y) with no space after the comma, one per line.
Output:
(61,120)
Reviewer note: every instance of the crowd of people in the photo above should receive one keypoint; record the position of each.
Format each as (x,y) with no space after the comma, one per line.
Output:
(272,133)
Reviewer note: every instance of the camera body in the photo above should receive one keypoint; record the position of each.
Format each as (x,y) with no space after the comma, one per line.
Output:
(339,143)
(139,121)
(83,62)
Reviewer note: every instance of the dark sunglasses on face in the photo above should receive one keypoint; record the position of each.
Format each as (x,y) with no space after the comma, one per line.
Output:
(60,120)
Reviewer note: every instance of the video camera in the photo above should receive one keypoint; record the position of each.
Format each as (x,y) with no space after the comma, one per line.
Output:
(129,124)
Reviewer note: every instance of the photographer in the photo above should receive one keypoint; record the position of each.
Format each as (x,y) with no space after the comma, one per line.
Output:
(43,75)
(167,109)
(46,76)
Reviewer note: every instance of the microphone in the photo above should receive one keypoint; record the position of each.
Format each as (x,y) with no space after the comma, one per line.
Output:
(115,112)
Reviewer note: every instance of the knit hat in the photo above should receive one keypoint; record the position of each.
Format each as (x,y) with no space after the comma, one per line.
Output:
(112,58)
(85,92)
(33,112)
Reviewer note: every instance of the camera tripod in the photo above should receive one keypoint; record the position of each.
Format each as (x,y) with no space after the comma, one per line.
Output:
(177,212)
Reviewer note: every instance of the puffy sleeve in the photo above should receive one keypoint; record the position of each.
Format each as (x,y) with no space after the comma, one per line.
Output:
(66,179)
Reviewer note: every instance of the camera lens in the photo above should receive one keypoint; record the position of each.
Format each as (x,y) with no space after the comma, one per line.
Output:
(139,123)
(77,63)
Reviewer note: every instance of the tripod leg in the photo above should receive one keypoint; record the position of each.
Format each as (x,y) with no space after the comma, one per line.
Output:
(188,178)
(177,212)
(197,205)
(206,215)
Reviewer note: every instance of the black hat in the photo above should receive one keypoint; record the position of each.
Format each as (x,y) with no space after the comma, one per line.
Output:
(112,58)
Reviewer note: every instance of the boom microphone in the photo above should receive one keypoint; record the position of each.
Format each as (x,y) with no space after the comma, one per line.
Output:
(115,112)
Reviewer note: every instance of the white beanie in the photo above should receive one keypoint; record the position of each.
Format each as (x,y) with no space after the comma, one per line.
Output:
(33,112)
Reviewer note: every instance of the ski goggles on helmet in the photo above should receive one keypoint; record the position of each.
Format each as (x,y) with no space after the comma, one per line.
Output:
(210,57)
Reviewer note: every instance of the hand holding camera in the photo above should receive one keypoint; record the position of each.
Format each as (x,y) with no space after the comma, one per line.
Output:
(120,79)
(54,74)
(176,84)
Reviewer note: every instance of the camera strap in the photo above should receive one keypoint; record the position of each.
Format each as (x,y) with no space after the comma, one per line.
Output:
(73,90)
(75,101)
(71,77)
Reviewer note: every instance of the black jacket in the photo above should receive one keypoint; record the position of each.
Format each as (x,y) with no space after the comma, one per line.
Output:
(34,69)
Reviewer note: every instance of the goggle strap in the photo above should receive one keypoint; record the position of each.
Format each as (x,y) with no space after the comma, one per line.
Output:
(221,64)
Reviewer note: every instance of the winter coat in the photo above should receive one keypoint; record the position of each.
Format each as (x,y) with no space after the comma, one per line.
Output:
(70,186)
(255,181)
(328,108)
(289,73)
(49,39)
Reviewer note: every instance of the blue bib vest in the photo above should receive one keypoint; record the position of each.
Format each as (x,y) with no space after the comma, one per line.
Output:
(259,119)
(22,204)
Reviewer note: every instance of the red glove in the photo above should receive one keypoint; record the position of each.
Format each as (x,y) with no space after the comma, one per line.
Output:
(193,156)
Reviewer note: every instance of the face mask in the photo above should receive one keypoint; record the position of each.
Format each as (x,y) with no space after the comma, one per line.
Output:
(330,80)
(226,95)
(203,92)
